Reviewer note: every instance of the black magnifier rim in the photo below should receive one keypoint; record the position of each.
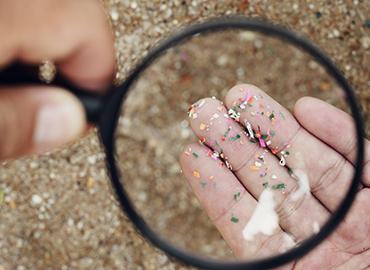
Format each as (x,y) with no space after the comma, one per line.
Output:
(112,111)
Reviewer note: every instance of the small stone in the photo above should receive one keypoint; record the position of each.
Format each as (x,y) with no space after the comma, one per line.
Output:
(133,5)
(80,225)
(313,65)
(34,165)
(90,182)
(92,159)
(142,196)
(114,14)
(365,42)
(222,60)
(247,36)
(36,200)
(70,222)
(202,126)
(2,197)
(336,33)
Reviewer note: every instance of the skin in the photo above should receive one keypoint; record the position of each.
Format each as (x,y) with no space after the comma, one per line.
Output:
(75,35)
(316,131)
(59,31)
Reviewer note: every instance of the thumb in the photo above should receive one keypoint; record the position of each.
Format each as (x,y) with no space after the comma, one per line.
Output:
(35,119)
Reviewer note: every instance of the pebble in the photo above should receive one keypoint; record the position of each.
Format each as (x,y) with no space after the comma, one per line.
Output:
(36,200)
(365,42)
(114,14)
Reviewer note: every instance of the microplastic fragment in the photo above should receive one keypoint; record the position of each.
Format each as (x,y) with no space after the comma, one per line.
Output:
(235,108)
(191,112)
(227,132)
(272,116)
(264,218)
(228,165)
(201,103)
(202,126)
(304,184)
(262,142)
(196,174)
(234,114)
(263,174)
(249,128)
(279,186)
(282,161)
(211,177)
(234,219)
(236,137)
(316,227)
(215,155)
(250,101)
(195,155)
(237,196)
(273,176)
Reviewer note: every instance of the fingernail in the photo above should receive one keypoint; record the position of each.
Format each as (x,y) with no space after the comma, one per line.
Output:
(57,123)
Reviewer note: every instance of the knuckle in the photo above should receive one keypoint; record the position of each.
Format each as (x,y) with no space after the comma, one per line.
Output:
(329,175)
(288,207)
(249,152)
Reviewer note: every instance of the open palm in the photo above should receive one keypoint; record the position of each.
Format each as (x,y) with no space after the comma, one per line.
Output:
(254,150)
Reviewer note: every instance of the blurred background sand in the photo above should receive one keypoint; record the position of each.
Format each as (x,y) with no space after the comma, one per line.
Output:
(57,211)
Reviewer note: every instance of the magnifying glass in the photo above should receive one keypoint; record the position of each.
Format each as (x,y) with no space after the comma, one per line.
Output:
(247,196)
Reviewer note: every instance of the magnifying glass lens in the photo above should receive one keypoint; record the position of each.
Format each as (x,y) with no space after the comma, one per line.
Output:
(221,154)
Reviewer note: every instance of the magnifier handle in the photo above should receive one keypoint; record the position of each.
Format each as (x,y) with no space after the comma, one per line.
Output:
(21,74)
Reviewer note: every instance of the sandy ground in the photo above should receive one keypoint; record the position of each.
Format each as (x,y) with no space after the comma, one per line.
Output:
(57,211)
